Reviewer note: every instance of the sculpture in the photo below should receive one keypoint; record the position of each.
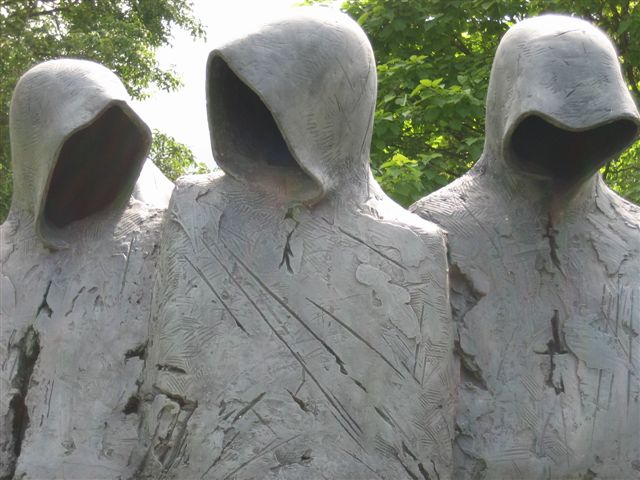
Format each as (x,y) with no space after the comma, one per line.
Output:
(77,256)
(301,324)
(545,266)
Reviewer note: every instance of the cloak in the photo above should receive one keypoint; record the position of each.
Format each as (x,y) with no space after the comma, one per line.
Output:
(77,254)
(545,266)
(301,325)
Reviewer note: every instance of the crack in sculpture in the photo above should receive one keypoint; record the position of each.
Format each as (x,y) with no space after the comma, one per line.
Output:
(555,346)
(137,352)
(44,306)
(287,253)
(28,348)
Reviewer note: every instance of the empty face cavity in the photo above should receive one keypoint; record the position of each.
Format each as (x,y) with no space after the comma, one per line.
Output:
(544,149)
(97,165)
(247,141)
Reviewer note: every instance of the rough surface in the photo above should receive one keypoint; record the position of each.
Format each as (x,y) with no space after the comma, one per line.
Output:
(545,267)
(77,265)
(301,324)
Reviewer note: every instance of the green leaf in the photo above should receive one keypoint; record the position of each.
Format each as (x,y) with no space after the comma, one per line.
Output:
(625,24)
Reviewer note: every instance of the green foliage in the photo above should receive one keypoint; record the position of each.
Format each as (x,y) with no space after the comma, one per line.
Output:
(173,158)
(623,175)
(6,179)
(434,59)
(121,34)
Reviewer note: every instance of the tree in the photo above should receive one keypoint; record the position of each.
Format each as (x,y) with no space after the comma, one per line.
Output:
(121,34)
(173,158)
(434,59)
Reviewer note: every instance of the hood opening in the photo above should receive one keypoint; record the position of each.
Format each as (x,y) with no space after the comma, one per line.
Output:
(247,142)
(540,148)
(96,166)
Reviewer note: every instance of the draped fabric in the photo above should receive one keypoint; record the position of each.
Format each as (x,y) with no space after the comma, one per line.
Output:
(545,266)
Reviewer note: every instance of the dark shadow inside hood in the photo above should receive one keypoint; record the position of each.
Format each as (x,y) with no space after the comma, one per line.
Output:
(247,142)
(97,166)
(538,147)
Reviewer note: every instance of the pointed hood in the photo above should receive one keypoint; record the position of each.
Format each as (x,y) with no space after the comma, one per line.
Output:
(557,106)
(77,146)
(291,106)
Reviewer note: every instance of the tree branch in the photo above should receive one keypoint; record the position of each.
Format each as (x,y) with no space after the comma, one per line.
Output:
(42,13)
(461,46)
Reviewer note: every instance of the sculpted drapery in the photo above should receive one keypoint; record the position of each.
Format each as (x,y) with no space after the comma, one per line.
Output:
(545,266)
(301,324)
(78,255)
(283,318)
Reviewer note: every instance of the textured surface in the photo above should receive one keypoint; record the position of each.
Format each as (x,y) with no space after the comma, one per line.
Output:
(545,267)
(75,295)
(301,325)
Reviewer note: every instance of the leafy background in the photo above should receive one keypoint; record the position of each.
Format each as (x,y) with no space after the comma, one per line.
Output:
(433,60)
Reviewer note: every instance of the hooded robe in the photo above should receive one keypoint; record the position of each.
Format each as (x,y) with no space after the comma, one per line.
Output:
(545,266)
(300,324)
(77,256)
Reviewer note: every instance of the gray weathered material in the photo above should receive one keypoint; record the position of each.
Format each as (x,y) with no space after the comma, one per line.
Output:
(152,187)
(545,266)
(77,256)
(301,325)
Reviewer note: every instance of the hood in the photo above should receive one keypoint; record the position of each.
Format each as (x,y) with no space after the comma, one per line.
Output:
(77,147)
(152,187)
(291,104)
(557,106)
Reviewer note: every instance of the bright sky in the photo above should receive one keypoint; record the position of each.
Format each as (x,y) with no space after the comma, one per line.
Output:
(182,114)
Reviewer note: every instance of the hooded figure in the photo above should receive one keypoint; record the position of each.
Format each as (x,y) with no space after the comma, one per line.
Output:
(77,256)
(301,325)
(545,266)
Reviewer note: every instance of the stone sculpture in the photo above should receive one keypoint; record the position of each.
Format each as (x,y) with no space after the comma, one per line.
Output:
(545,266)
(77,256)
(152,187)
(301,324)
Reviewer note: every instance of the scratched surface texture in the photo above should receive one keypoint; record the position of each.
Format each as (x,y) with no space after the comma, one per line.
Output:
(77,256)
(545,267)
(300,325)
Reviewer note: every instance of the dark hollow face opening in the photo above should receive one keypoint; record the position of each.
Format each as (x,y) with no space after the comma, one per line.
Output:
(541,148)
(243,124)
(96,165)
